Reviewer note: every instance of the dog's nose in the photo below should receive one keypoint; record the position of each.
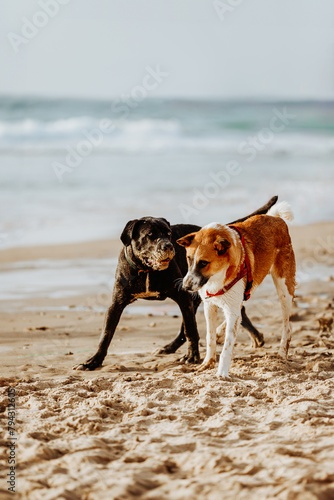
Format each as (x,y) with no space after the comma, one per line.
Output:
(187,286)
(166,245)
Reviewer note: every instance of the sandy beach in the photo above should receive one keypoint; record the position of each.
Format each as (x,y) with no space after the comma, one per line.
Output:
(146,426)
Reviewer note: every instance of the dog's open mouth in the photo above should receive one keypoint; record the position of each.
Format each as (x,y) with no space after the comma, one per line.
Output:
(165,261)
(156,264)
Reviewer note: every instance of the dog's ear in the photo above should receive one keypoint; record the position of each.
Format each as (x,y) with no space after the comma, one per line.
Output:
(221,245)
(126,235)
(165,221)
(186,240)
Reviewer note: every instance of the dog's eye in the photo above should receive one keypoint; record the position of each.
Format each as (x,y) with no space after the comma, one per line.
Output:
(202,264)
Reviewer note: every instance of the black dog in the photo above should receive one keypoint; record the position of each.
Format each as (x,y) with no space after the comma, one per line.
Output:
(151,266)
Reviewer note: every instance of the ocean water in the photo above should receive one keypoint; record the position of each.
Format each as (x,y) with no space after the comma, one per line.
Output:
(74,170)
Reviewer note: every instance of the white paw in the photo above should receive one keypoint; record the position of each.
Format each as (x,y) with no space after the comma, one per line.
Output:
(223,376)
(206,365)
(282,354)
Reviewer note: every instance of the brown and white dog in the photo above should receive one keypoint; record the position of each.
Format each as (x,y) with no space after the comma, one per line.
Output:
(227,263)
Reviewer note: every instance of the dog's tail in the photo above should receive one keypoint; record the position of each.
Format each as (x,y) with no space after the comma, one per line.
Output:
(281,209)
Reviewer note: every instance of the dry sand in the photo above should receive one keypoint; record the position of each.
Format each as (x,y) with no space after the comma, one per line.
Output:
(145,426)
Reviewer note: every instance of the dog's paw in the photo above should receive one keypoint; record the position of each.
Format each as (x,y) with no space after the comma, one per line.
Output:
(282,355)
(224,377)
(91,364)
(258,341)
(207,365)
(80,367)
(165,350)
(192,359)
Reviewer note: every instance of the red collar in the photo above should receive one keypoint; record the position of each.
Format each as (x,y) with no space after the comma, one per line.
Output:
(245,270)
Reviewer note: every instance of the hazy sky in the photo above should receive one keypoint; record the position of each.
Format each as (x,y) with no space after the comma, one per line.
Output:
(100,48)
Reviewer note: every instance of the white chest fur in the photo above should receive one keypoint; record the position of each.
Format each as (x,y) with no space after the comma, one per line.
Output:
(231,298)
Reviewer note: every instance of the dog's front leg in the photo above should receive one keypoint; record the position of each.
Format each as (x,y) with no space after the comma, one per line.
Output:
(231,305)
(185,302)
(112,318)
(210,311)
(232,325)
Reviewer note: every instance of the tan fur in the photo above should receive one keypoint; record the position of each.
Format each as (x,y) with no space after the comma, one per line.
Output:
(268,241)
(268,246)
(205,239)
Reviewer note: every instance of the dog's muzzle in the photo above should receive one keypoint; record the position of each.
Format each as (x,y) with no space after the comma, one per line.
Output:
(162,256)
(193,282)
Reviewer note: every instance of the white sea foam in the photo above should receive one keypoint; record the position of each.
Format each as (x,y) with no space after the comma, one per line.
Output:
(151,163)
(145,135)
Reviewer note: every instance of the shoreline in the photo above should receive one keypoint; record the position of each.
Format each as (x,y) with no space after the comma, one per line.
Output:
(110,247)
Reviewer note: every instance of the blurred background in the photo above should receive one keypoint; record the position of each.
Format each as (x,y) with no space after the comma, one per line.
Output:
(185,88)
